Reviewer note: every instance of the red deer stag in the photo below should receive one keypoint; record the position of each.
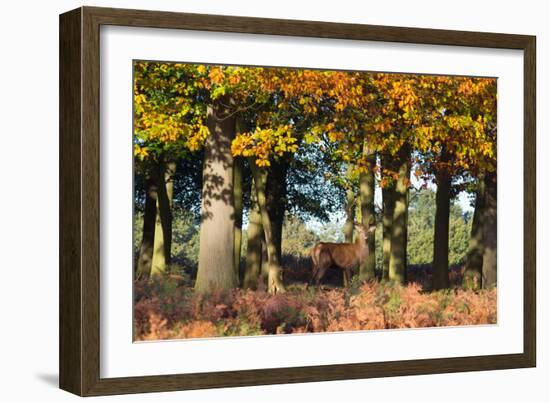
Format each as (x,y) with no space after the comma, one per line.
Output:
(344,256)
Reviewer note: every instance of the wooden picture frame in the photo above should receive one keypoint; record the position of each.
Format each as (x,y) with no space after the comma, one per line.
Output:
(80,199)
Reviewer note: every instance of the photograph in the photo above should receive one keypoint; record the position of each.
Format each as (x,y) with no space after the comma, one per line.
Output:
(285,200)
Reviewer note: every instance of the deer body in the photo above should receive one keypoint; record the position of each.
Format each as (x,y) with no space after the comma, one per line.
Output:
(344,256)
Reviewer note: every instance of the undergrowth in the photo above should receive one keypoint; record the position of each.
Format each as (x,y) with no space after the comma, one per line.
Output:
(170,309)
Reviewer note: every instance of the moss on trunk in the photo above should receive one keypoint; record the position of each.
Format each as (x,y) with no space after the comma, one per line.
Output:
(255,234)
(274,275)
(368,217)
(145,257)
(163,225)
(276,200)
(350,208)
(398,255)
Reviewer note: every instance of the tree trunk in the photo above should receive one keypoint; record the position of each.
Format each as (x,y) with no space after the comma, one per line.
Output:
(350,216)
(217,230)
(350,209)
(255,234)
(406,252)
(238,202)
(387,221)
(145,258)
(398,255)
(474,257)
(388,204)
(264,270)
(163,226)
(274,275)
(440,266)
(489,272)
(368,218)
(276,200)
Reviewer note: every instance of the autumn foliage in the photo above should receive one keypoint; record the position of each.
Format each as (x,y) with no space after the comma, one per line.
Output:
(244,140)
(166,310)
(345,109)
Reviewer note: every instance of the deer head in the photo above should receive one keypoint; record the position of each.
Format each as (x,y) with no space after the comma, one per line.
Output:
(362,232)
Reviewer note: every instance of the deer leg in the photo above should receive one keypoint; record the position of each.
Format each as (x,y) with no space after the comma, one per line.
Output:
(317,278)
(347,276)
(314,264)
(313,274)
(320,273)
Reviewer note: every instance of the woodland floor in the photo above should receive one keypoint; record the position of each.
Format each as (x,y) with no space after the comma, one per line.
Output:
(170,309)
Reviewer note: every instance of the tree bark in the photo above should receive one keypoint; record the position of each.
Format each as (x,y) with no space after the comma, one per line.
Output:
(350,209)
(145,258)
(276,200)
(255,234)
(274,275)
(238,202)
(387,221)
(388,204)
(163,226)
(474,257)
(217,230)
(489,272)
(368,218)
(350,215)
(264,270)
(398,255)
(440,266)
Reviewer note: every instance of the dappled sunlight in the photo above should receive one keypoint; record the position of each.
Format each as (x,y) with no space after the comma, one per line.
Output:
(304,200)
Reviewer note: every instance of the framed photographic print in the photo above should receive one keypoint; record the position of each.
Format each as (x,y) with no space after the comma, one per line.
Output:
(249,201)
